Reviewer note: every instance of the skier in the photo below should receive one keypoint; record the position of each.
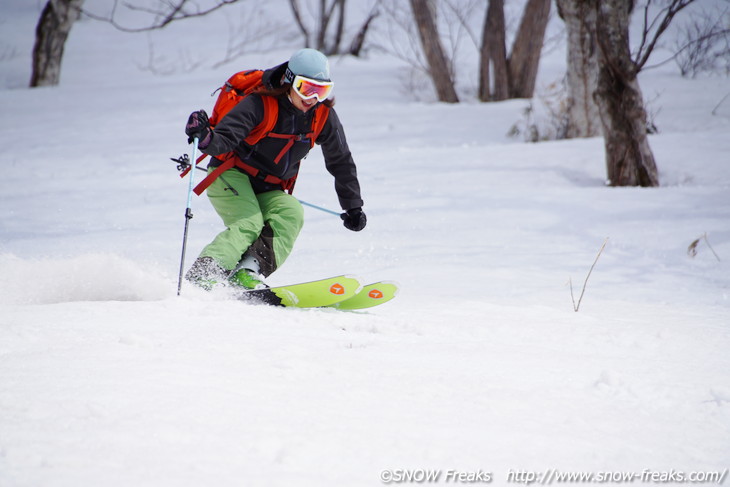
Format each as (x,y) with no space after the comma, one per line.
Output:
(263,220)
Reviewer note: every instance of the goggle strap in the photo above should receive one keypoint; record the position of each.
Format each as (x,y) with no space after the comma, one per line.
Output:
(289,76)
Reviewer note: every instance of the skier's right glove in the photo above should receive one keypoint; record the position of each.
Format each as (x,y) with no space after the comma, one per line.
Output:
(199,126)
(354,219)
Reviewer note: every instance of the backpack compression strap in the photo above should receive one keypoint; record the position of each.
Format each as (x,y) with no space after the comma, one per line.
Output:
(231,160)
(320,118)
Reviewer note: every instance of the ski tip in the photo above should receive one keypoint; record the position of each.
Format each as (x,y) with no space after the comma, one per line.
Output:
(394,284)
(373,294)
(357,279)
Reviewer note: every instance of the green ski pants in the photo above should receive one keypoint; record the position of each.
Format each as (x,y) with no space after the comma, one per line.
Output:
(267,223)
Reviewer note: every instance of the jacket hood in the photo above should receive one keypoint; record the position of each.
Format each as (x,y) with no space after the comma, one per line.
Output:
(272,77)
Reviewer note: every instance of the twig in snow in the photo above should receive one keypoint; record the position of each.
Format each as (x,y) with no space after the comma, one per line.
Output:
(714,110)
(692,249)
(576,307)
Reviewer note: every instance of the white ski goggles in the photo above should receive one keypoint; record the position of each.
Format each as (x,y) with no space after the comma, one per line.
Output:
(308,88)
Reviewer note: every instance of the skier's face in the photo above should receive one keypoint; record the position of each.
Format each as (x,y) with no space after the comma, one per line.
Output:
(299,103)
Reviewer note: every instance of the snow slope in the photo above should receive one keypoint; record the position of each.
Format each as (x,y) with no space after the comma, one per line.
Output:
(481,364)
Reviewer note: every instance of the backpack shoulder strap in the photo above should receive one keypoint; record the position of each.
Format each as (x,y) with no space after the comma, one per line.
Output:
(271,113)
(320,118)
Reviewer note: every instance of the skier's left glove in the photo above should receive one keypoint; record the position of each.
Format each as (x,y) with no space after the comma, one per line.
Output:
(199,126)
(354,219)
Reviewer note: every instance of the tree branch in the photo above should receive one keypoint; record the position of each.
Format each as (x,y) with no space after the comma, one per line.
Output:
(664,18)
(176,12)
(691,43)
(576,307)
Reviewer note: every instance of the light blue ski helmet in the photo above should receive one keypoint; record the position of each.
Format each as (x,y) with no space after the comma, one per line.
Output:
(309,63)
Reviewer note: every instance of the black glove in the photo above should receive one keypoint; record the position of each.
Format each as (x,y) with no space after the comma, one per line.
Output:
(198,126)
(354,219)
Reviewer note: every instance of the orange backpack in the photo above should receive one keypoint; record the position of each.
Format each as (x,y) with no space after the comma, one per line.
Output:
(235,89)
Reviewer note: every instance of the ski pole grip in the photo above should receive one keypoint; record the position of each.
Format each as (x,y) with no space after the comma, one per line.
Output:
(192,173)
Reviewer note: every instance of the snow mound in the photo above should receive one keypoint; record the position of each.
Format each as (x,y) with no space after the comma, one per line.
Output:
(88,277)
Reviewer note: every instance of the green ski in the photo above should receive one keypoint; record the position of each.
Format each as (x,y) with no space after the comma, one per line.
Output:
(314,294)
(371,295)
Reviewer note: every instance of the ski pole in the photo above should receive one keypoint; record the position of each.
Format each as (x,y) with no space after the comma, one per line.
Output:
(188,217)
(305,203)
(319,208)
(184,163)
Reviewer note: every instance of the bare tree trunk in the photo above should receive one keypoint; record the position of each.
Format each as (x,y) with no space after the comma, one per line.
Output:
(335,47)
(527,47)
(629,159)
(325,17)
(582,74)
(296,11)
(51,33)
(493,55)
(485,89)
(359,40)
(437,62)
(324,20)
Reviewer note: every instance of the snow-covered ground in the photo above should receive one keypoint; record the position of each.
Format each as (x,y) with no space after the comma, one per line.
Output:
(480,365)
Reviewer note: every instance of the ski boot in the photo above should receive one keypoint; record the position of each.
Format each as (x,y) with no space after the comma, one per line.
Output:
(246,275)
(206,274)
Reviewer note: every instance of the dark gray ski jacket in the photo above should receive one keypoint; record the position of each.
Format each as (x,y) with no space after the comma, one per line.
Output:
(230,131)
